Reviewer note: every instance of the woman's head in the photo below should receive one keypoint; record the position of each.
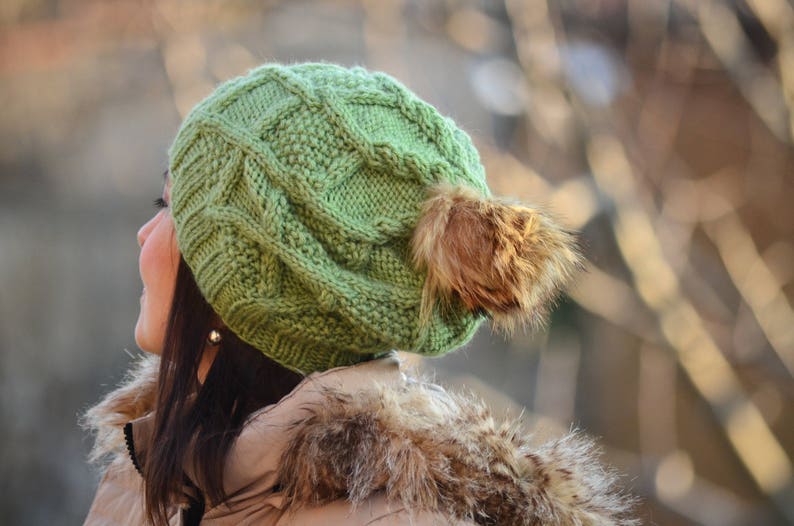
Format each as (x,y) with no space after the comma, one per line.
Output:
(298,196)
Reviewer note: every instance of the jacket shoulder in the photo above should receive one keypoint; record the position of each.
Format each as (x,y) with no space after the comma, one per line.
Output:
(430,450)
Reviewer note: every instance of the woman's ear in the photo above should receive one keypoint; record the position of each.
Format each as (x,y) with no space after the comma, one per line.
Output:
(504,259)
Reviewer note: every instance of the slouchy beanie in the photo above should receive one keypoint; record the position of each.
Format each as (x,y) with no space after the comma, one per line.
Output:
(295,191)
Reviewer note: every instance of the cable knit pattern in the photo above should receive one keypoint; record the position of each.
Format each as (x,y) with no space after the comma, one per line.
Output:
(295,193)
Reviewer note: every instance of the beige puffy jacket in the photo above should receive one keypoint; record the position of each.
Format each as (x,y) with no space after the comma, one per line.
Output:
(366,445)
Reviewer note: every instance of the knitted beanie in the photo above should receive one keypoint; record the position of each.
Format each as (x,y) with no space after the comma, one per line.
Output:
(295,192)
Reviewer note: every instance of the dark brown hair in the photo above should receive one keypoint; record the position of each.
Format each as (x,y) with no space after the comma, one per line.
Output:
(195,422)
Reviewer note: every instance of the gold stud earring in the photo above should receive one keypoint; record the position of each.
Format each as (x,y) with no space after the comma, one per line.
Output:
(214,337)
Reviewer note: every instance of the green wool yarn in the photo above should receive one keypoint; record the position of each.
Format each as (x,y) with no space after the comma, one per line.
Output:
(295,190)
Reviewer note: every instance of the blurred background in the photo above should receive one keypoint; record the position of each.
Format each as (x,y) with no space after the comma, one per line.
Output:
(662,130)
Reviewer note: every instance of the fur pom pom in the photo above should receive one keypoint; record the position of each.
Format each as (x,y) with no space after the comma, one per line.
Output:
(501,258)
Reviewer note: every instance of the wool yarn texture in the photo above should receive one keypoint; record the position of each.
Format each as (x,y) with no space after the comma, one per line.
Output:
(295,192)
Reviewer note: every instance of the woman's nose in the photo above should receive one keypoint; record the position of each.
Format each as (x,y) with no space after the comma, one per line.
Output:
(145,230)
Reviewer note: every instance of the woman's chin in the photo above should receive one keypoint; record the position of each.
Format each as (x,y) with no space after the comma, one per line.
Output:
(143,342)
(148,349)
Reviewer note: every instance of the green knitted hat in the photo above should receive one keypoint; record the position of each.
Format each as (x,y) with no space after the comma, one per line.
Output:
(295,191)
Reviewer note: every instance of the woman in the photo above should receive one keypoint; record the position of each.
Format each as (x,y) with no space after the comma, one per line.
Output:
(313,219)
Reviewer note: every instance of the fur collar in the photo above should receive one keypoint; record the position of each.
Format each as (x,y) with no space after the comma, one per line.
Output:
(420,445)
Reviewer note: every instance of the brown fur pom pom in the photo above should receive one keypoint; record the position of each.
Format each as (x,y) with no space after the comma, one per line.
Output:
(502,258)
